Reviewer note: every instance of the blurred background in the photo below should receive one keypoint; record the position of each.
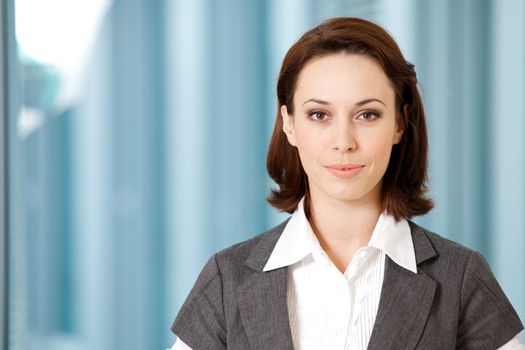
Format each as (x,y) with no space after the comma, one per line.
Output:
(134,136)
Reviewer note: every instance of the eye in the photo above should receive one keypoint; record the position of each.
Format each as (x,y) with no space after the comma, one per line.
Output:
(368,116)
(318,116)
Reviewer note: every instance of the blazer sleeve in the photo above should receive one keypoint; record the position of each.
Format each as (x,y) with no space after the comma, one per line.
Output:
(200,322)
(487,319)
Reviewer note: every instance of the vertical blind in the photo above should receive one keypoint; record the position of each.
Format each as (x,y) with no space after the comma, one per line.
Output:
(117,194)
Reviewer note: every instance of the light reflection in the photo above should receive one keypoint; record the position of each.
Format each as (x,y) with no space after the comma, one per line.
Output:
(57,34)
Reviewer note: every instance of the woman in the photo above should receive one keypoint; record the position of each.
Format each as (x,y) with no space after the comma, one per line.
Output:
(348,269)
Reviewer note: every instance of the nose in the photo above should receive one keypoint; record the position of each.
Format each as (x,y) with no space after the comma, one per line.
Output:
(344,136)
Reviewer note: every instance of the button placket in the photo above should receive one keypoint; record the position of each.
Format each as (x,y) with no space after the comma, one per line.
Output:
(345,311)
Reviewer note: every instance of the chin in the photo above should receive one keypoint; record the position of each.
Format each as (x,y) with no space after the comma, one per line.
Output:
(349,192)
(346,195)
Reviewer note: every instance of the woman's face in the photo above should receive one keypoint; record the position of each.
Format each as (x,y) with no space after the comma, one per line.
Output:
(343,125)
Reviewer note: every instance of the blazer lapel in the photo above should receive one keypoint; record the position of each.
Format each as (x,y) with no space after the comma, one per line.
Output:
(264,311)
(404,306)
(262,299)
(406,300)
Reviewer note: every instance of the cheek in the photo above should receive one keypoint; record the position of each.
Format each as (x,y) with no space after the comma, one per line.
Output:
(309,145)
(379,147)
(307,151)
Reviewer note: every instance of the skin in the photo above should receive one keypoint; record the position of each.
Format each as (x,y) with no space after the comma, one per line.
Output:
(344,112)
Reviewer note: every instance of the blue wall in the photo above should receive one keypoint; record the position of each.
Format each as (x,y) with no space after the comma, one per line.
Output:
(119,193)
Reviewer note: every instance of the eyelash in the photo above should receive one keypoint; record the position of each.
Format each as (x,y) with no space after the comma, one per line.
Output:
(375,114)
(314,113)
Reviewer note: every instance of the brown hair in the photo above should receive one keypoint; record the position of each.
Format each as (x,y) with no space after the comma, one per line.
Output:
(404,183)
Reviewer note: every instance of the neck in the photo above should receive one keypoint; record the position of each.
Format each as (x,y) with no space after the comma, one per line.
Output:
(341,226)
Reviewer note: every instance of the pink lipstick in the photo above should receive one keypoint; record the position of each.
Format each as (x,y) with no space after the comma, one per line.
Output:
(345,171)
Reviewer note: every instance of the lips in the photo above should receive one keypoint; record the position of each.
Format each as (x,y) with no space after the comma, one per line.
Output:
(344,166)
(345,171)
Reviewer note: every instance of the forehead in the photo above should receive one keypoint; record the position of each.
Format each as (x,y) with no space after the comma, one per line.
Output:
(343,77)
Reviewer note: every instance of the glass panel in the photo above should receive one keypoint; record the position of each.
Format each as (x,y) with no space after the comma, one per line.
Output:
(54,43)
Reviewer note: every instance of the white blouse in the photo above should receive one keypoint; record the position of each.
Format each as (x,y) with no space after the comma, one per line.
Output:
(328,309)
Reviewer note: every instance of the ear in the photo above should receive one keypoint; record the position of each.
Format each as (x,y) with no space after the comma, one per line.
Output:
(398,134)
(399,130)
(288,126)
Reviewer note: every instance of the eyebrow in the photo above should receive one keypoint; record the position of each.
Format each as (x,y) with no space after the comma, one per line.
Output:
(360,103)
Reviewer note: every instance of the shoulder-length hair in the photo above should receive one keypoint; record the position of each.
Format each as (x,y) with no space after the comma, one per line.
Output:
(404,183)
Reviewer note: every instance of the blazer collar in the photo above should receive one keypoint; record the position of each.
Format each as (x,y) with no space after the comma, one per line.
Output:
(262,298)
(404,296)
(405,300)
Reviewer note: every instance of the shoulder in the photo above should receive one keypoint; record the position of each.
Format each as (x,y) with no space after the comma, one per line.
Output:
(440,256)
(442,246)
(448,254)
(252,253)
(207,312)
(469,296)
(452,264)
(450,261)
(238,259)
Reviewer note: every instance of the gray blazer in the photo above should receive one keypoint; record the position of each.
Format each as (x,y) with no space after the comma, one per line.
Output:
(453,302)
